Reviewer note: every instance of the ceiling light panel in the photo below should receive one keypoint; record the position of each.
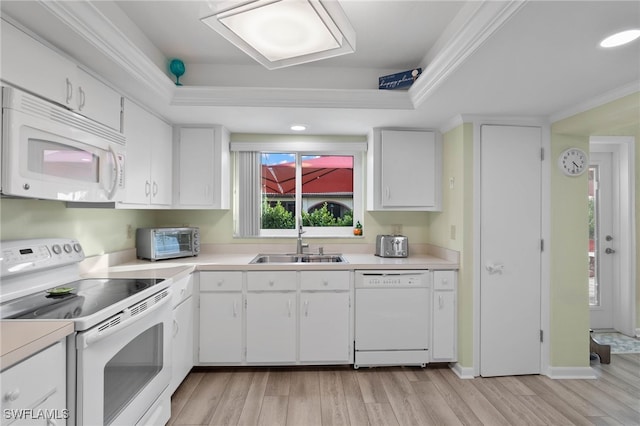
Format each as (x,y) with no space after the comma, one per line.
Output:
(621,38)
(286,32)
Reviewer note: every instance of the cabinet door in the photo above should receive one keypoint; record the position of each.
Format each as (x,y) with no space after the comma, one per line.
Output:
(443,341)
(408,168)
(148,172)
(98,101)
(220,327)
(37,383)
(196,166)
(29,64)
(161,163)
(136,126)
(324,327)
(182,342)
(271,327)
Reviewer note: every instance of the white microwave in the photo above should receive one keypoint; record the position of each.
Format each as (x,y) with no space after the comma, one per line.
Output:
(51,153)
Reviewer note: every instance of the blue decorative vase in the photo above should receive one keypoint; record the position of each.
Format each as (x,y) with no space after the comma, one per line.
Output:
(177,68)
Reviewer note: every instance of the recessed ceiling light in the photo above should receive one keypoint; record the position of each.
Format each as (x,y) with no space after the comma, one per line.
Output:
(282,33)
(298,128)
(618,39)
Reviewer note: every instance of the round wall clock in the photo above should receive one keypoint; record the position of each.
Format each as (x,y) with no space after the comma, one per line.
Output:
(573,161)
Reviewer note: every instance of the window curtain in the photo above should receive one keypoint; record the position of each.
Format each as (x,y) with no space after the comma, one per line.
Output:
(249,193)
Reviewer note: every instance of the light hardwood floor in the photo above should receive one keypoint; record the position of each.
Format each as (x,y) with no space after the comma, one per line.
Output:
(303,396)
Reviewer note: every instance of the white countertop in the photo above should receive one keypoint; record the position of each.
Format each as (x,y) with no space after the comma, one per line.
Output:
(19,339)
(240,262)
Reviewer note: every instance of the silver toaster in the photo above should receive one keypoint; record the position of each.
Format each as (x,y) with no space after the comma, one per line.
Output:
(392,246)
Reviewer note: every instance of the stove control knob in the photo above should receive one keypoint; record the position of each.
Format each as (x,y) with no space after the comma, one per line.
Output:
(77,247)
(56,249)
(67,248)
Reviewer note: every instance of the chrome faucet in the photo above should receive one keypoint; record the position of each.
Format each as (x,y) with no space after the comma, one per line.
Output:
(301,245)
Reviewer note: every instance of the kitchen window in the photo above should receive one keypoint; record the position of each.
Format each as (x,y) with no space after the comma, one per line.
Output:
(280,185)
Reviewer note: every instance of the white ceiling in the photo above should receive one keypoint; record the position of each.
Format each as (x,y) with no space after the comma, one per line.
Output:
(539,58)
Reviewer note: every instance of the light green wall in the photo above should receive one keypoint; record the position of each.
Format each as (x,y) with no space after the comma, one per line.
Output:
(569,295)
(457,211)
(98,230)
(617,118)
(216,227)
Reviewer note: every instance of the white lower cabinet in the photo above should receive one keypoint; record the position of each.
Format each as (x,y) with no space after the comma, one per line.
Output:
(278,317)
(34,391)
(182,353)
(443,317)
(221,318)
(271,327)
(271,316)
(325,317)
(324,327)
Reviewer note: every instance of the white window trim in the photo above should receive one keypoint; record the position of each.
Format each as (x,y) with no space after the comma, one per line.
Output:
(355,149)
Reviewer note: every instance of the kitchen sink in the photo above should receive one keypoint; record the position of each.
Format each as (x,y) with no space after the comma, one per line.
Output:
(298,258)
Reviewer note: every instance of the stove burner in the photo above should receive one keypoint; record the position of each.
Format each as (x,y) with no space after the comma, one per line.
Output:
(87,297)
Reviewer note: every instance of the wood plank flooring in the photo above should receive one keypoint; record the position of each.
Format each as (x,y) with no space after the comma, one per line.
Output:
(308,396)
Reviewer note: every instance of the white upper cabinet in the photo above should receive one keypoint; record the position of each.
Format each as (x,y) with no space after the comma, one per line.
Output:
(98,101)
(148,166)
(34,67)
(202,176)
(404,170)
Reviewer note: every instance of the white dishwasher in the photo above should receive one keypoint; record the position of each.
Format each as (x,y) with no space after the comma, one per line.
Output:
(392,317)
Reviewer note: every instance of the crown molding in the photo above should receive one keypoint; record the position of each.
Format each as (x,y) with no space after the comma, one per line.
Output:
(610,96)
(290,97)
(483,21)
(480,21)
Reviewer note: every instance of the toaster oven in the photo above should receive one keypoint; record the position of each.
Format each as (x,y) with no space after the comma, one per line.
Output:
(167,243)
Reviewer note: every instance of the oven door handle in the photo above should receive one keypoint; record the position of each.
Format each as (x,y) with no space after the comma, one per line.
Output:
(100,332)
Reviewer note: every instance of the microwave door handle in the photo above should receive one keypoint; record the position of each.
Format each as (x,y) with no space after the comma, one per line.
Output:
(116,177)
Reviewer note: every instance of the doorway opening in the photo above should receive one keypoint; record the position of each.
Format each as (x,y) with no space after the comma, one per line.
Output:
(612,248)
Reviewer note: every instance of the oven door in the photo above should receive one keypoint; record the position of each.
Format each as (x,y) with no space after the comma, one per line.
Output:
(124,364)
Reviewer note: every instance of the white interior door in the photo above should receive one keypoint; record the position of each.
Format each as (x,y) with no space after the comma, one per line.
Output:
(601,241)
(510,250)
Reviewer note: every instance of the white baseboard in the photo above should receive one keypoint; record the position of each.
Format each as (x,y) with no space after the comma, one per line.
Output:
(571,373)
(461,372)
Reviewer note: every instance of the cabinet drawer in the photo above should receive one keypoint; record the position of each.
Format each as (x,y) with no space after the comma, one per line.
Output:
(182,289)
(35,380)
(221,281)
(272,281)
(444,280)
(324,280)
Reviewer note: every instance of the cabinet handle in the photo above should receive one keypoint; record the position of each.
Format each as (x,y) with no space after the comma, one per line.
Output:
(387,192)
(220,283)
(289,307)
(12,395)
(155,188)
(69,91)
(81,98)
(440,301)
(235,308)
(306,308)
(147,188)
(176,328)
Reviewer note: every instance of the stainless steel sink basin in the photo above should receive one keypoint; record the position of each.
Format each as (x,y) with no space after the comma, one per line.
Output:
(298,258)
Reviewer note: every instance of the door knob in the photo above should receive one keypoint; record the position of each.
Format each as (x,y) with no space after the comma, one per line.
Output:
(609,250)
(494,268)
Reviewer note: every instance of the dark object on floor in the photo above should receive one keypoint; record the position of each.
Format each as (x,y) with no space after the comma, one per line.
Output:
(603,351)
